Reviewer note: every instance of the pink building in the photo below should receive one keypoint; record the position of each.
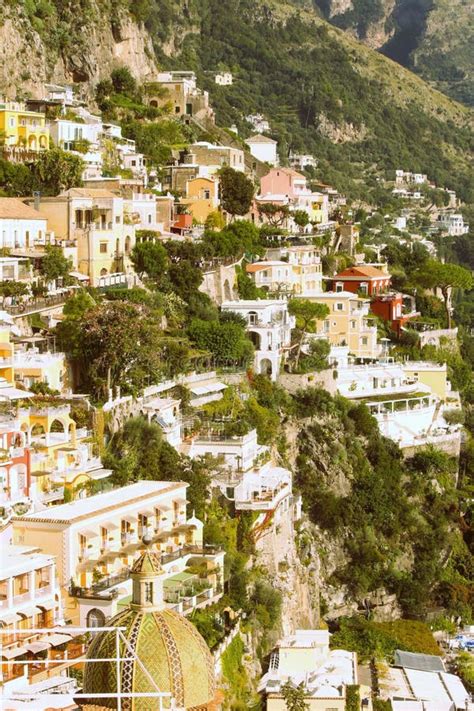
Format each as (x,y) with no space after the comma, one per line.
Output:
(283,181)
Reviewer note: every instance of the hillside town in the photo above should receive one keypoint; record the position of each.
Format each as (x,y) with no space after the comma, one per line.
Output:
(194,332)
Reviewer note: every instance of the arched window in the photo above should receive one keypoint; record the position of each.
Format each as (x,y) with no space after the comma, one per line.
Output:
(95,618)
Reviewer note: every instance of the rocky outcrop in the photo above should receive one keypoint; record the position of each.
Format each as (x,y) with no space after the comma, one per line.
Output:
(33,57)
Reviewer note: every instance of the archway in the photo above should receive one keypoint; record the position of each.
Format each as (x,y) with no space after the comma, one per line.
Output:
(57,426)
(154,103)
(127,244)
(37,430)
(103,272)
(32,143)
(255,338)
(266,367)
(227,291)
(95,618)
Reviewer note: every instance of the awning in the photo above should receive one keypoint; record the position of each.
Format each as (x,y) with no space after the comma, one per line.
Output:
(79,275)
(164,507)
(14,394)
(98,474)
(181,500)
(56,639)
(39,646)
(88,533)
(8,618)
(129,519)
(147,512)
(14,652)
(28,612)
(111,526)
(49,605)
(205,389)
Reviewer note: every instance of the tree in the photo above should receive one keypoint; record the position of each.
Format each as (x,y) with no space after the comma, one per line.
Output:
(150,258)
(57,170)
(236,191)
(225,341)
(294,697)
(274,213)
(215,221)
(123,81)
(54,264)
(185,279)
(120,347)
(301,219)
(13,288)
(445,277)
(306,313)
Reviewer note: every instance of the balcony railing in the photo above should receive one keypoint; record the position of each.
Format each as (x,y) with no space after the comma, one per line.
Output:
(102,586)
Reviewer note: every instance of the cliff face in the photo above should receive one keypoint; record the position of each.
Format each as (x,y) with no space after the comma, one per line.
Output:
(432,37)
(81,50)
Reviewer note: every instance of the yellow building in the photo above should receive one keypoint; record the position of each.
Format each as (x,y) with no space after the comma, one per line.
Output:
(6,353)
(202,198)
(20,128)
(97,539)
(347,323)
(93,221)
(434,375)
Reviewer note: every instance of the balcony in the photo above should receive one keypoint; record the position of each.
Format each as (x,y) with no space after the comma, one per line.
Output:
(102,588)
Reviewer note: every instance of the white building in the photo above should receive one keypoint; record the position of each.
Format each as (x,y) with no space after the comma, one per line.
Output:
(259,122)
(96,540)
(301,161)
(269,328)
(21,226)
(263,148)
(29,600)
(224,79)
(305,658)
(404,177)
(141,211)
(452,223)
(248,478)
(300,274)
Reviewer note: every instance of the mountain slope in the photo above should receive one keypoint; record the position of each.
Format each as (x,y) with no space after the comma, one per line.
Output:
(435,38)
(323,91)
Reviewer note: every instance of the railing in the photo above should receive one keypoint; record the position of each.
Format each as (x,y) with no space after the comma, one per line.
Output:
(37,304)
(102,586)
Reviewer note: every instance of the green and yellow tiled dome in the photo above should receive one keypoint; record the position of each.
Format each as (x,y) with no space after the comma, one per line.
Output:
(168,646)
(160,650)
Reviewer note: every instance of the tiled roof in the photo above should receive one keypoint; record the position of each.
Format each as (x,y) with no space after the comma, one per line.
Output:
(15,209)
(258,138)
(89,192)
(362,271)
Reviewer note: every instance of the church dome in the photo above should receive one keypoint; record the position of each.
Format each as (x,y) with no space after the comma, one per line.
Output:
(160,650)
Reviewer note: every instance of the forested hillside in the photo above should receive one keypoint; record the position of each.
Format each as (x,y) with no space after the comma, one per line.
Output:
(325,93)
(432,37)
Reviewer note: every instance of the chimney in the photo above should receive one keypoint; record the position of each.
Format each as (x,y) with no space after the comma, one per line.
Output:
(37,197)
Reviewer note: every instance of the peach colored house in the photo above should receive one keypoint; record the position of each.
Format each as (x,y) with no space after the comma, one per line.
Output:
(282,181)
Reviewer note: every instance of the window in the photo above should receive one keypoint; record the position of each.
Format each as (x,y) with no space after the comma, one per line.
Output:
(177,110)
(117,219)
(364,288)
(339,306)
(339,286)
(364,340)
(353,324)
(327,326)
(207,194)
(11,122)
(149,219)
(103,248)
(134,162)
(149,592)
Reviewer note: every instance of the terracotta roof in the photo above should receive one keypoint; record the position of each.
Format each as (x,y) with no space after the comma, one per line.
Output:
(15,209)
(258,266)
(362,271)
(89,192)
(258,138)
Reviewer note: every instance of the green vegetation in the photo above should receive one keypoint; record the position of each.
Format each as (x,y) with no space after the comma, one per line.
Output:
(294,697)
(236,191)
(54,171)
(379,640)
(352,698)
(390,509)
